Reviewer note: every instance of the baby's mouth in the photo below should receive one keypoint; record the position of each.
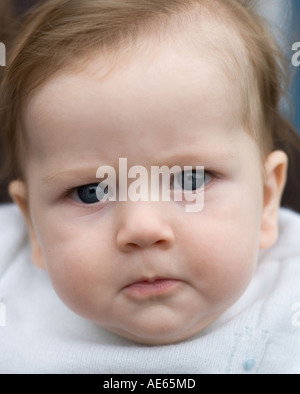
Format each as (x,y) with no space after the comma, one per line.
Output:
(151,287)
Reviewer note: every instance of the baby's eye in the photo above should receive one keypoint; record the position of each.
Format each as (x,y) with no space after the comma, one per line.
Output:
(191,180)
(90,194)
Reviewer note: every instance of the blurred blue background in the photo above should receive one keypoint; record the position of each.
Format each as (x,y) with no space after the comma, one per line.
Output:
(296,85)
(284,17)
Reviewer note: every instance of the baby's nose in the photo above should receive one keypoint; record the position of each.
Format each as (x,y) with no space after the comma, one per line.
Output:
(143,226)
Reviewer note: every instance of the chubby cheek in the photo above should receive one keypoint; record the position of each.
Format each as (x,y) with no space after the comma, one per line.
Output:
(78,271)
(223,260)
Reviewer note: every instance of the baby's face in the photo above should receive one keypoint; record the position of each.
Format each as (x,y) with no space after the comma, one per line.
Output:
(149,271)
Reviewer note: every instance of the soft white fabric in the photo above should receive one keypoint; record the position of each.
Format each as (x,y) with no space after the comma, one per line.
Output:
(259,334)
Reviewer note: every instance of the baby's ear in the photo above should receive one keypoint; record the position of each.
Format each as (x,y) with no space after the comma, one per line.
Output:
(18,192)
(276,166)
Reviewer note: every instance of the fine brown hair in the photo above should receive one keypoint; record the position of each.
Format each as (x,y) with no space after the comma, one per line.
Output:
(8,28)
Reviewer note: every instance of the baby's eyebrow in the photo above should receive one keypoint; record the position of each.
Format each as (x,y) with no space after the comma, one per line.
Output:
(62,176)
(89,174)
(200,158)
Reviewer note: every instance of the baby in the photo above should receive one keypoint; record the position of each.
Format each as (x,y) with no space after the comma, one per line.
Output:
(186,84)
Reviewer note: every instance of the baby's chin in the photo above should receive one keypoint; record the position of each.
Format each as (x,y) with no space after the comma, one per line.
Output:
(161,336)
(158,340)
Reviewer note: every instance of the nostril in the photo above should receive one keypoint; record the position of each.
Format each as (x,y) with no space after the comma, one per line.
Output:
(147,243)
(130,242)
(164,244)
(132,246)
(143,229)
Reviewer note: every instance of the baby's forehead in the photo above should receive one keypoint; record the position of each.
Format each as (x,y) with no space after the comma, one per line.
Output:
(191,34)
(161,88)
(173,67)
(201,59)
(185,50)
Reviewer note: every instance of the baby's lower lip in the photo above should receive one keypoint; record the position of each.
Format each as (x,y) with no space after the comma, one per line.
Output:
(147,288)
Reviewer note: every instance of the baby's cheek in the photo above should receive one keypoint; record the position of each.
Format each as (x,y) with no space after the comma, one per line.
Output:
(232,282)
(222,276)
(81,279)
(70,275)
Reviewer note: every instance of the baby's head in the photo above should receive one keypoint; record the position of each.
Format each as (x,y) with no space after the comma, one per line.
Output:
(160,83)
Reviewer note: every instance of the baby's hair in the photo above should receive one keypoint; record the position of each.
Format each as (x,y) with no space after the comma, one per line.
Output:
(63,34)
